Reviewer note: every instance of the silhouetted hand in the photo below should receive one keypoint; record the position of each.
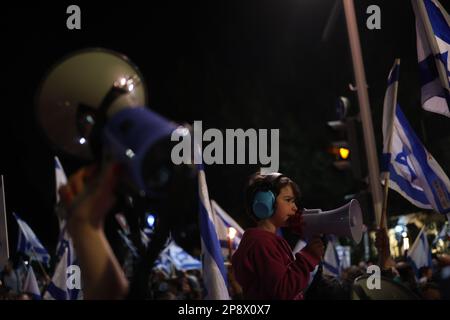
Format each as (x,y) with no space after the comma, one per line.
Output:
(315,247)
(382,245)
(89,195)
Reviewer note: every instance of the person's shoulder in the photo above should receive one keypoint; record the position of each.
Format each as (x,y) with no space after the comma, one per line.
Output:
(259,234)
(259,240)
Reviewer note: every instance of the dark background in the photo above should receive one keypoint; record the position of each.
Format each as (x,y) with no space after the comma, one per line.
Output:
(232,64)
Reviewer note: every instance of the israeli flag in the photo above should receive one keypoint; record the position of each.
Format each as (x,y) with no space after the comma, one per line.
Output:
(344,254)
(412,170)
(66,280)
(214,273)
(66,265)
(29,243)
(433,46)
(443,235)
(419,255)
(164,264)
(331,263)
(180,258)
(30,285)
(223,222)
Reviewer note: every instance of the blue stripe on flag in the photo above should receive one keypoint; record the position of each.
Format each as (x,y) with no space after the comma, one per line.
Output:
(22,243)
(421,157)
(438,21)
(56,293)
(425,245)
(35,296)
(385,162)
(208,234)
(406,186)
(331,268)
(427,70)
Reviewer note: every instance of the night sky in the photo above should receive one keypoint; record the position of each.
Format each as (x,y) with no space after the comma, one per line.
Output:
(232,64)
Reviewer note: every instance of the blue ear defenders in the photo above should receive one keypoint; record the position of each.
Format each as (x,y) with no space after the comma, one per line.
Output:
(264,201)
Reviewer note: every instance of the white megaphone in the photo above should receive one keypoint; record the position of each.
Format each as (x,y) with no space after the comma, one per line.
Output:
(344,221)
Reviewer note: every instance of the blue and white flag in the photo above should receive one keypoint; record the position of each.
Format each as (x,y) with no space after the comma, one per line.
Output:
(223,222)
(443,235)
(433,46)
(214,272)
(29,243)
(331,263)
(65,283)
(66,280)
(164,263)
(30,285)
(344,254)
(419,254)
(180,259)
(413,172)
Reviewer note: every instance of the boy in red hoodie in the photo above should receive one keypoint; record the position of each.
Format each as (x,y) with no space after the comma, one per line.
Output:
(264,264)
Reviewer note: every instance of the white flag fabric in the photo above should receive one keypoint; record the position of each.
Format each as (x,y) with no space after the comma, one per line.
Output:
(413,172)
(214,272)
(57,289)
(176,256)
(181,259)
(66,266)
(65,252)
(419,254)
(60,177)
(331,265)
(433,46)
(344,254)
(66,280)
(30,285)
(443,235)
(164,264)
(223,222)
(29,243)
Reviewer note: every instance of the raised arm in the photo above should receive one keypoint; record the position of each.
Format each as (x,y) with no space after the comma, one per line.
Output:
(88,197)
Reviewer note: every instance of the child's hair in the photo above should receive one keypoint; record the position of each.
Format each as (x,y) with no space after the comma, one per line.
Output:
(258,182)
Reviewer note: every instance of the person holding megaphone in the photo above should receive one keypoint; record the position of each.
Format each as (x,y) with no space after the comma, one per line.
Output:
(264,264)
(92,105)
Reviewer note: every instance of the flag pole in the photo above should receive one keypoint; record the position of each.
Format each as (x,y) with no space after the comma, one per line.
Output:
(422,11)
(383,220)
(363,98)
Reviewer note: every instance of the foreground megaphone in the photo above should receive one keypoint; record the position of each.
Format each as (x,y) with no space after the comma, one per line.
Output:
(92,105)
(79,90)
(344,221)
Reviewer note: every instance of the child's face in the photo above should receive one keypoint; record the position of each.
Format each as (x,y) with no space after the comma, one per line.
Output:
(285,207)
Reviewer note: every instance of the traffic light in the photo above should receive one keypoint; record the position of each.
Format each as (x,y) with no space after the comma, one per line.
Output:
(347,146)
(340,148)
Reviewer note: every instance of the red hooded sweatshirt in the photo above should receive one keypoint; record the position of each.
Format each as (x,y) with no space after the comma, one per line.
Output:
(266,268)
